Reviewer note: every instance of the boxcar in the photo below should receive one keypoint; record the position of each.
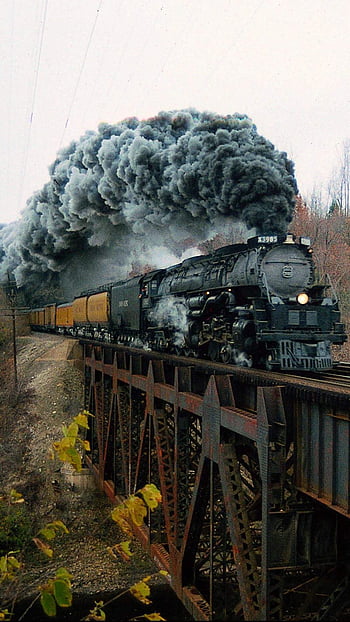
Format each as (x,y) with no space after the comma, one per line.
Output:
(64,317)
(50,317)
(79,307)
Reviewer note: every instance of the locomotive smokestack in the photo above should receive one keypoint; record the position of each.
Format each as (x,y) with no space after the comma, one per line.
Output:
(141,184)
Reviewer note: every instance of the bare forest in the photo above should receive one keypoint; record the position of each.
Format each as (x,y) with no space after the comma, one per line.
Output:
(325,218)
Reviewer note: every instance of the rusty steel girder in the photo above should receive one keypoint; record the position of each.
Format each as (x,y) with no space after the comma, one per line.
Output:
(237,530)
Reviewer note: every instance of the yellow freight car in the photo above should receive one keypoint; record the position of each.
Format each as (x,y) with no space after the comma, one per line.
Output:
(98,309)
(64,317)
(79,307)
(40,318)
(50,317)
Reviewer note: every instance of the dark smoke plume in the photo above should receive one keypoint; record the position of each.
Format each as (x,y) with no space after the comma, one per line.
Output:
(138,188)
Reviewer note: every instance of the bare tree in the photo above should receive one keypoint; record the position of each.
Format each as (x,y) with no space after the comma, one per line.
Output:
(339,185)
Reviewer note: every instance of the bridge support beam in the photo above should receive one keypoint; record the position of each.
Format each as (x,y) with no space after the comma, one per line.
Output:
(239,539)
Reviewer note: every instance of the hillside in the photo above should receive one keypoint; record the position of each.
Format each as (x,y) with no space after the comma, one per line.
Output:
(50,394)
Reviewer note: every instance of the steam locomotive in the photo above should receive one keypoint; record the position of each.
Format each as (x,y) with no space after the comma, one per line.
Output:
(255,304)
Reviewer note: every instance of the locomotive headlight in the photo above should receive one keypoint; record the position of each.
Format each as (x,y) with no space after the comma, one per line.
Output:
(303,299)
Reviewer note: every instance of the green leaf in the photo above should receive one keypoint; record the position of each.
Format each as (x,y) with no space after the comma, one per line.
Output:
(62,593)
(72,456)
(137,509)
(62,573)
(151,495)
(48,604)
(58,525)
(47,533)
(8,567)
(65,442)
(120,515)
(3,563)
(82,420)
(73,430)
(141,591)
(13,562)
(125,548)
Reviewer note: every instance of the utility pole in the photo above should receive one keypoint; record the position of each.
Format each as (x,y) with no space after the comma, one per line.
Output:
(10,289)
(14,345)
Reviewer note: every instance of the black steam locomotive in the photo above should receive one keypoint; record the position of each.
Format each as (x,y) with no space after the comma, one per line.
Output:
(254,304)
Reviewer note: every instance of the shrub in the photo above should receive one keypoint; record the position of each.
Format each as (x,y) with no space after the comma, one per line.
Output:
(16,528)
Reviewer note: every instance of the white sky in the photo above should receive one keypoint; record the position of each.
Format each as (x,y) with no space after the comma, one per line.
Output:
(67,65)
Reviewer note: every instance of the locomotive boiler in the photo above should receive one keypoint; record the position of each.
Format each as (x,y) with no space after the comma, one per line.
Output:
(256,304)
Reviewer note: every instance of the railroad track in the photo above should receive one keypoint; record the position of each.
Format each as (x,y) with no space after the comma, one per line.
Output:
(339,376)
(331,384)
(341,371)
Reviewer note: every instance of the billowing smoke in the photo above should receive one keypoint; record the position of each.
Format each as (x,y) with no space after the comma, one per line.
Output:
(138,189)
(172,312)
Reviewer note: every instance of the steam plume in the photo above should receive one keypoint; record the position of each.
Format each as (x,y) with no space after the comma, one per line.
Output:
(133,187)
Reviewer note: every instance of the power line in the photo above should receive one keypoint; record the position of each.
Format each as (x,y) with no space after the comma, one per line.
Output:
(10,95)
(97,77)
(80,73)
(32,107)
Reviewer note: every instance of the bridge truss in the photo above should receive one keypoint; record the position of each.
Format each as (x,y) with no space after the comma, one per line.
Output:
(254,476)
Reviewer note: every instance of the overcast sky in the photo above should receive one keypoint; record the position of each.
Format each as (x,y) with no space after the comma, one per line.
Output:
(67,65)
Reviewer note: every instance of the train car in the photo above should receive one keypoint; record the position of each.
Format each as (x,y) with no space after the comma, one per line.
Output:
(79,309)
(64,318)
(32,317)
(98,314)
(91,314)
(50,317)
(37,318)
